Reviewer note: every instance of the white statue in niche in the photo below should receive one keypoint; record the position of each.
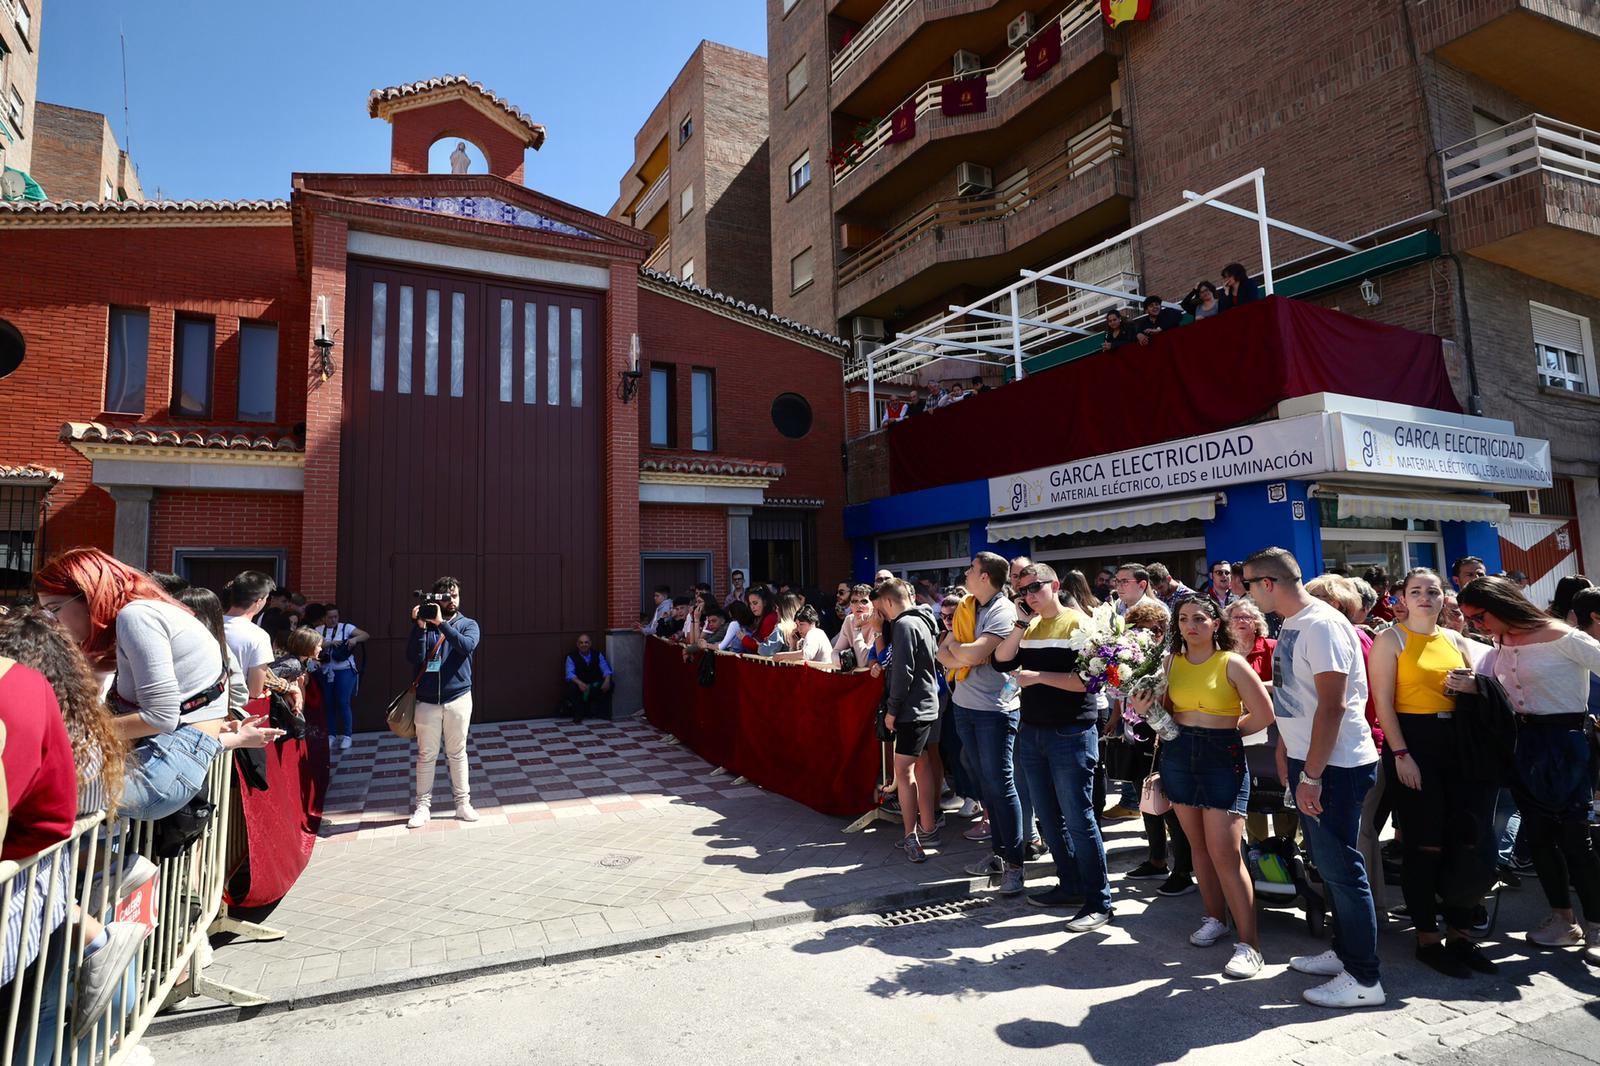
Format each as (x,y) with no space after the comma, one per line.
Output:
(459,160)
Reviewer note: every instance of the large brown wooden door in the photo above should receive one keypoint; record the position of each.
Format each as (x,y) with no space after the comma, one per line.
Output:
(471,447)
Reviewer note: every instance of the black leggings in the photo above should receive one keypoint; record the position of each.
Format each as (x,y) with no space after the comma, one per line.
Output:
(1447,828)
(1157,831)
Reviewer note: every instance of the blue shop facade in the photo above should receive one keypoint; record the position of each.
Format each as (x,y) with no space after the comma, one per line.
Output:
(1340,481)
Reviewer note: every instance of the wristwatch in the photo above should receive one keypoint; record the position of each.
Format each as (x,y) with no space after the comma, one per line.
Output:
(1307,779)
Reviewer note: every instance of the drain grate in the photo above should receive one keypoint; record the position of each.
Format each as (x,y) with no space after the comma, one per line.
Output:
(934,911)
(617,862)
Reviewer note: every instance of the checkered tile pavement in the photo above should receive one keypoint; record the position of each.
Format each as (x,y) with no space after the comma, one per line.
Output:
(520,772)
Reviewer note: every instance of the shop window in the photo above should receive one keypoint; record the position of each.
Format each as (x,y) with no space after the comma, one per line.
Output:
(798,79)
(127,360)
(800,271)
(791,414)
(193,354)
(938,555)
(663,385)
(702,393)
(800,172)
(13,348)
(1564,348)
(258,371)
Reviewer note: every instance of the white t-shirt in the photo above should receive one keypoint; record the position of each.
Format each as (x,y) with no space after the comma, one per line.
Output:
(248,641)
(1318,640)
(816,648)
(730,639)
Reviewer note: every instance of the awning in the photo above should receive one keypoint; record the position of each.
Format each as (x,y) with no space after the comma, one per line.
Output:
(1425,508)
(1175,509)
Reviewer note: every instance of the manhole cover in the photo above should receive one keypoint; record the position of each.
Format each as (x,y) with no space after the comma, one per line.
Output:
(617,862)
(934,911)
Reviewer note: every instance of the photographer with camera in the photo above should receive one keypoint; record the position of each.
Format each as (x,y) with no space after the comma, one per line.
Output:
(441,649)
(338,676)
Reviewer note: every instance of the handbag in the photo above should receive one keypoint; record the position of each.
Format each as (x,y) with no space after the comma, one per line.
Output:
(402,711)
(1152,797)
(182,827)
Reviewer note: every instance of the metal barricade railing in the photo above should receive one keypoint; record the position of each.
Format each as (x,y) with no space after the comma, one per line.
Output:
(47,897)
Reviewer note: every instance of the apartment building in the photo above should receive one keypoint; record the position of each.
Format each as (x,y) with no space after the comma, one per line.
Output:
(19,80)
(76,156)
(698,181)
(1446,150)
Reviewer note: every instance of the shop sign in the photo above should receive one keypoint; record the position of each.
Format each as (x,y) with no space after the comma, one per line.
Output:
(1288,448)
(1374,445)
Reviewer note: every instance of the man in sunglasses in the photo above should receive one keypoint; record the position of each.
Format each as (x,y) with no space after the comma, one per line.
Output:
(1327,756)
(1221,590)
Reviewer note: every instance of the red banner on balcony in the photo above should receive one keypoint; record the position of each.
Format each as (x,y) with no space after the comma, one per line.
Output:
(903,123)
(1116,12)
(1044,52)
(968,96)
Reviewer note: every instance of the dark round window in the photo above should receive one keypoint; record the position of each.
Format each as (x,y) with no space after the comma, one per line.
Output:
(13,347)
(792,415)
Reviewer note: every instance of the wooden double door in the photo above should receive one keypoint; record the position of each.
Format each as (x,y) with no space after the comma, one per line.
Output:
(471,448)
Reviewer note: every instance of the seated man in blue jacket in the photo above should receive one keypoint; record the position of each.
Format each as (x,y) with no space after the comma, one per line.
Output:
(440,648)
(587,692)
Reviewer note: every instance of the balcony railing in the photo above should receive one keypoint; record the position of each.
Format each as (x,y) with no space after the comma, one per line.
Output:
(652,198)
(1102,141)
(867,34)
(661,258)
(1001,77)
(1531,143)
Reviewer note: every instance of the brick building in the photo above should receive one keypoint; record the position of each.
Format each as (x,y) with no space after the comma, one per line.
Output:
(76,156)
(19,80)
(395,375)
(698,182)
(1449,147)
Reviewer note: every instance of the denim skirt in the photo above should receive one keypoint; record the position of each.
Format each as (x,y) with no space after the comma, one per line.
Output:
(1205,768)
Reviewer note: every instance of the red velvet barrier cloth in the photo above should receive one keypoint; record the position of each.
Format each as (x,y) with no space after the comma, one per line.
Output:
(1203,377)
(281,821)
(803,733)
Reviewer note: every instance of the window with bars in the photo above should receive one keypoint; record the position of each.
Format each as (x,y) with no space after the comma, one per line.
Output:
(21,537)
(1563,348)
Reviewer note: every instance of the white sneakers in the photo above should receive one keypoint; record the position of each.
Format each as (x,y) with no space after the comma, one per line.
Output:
(1344,992)
(466,812)
(1246,962)
(1591,943)
(1557,932)
(344,743)
(1209,933)
(420,816)
(1325,965)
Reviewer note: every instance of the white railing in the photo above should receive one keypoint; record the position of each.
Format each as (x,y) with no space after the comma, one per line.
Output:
(652,198)
(1533,142)
(869,32)
(46,898)
(1001,77)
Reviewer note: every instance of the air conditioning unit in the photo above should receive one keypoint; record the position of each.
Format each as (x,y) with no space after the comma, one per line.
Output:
(967,63)
(1020,29)
(863,328)
(973,178)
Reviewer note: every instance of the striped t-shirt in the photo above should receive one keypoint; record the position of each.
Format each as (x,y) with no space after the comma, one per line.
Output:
(1044,648)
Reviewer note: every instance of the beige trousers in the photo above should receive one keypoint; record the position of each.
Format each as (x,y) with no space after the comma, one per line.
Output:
(448,721)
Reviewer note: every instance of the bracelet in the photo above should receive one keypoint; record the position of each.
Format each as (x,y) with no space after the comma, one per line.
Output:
(1401,753)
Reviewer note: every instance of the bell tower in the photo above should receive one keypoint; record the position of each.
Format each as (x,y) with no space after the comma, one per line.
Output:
(425,112)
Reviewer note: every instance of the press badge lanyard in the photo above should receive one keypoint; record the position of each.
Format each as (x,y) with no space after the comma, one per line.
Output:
(436,657)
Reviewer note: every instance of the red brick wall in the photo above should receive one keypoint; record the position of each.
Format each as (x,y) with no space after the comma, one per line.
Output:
(673,527)
(62,282)
(753,367)
(324,413)
(415,131)
(225,520)
(623,322)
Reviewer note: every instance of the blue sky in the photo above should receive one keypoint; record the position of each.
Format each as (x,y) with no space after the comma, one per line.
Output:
(229,97)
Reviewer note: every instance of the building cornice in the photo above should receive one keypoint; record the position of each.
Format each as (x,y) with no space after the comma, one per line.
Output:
(167,453)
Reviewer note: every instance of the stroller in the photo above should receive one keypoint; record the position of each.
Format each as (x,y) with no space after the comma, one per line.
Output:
(1281,873)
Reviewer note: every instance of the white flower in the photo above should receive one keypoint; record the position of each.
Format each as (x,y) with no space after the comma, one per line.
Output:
(1097,665)
(1125,654)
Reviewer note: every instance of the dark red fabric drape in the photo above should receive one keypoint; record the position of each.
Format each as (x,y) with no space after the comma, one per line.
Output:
(281,821)
(1206,376)
(802,733)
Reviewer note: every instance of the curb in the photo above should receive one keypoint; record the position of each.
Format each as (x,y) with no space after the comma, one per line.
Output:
(576,950)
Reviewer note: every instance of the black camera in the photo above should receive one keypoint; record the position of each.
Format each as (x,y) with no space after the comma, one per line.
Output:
(430,610)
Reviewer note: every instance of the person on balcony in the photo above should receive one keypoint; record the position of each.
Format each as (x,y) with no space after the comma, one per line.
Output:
(1237,288)
(1157,319)
(1202,301)
(1118,333)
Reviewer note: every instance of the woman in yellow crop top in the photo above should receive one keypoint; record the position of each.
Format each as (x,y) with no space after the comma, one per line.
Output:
(1217,699)
(1445,818)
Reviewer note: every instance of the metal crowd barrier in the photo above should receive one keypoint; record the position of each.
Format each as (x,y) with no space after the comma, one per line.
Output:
(46,896)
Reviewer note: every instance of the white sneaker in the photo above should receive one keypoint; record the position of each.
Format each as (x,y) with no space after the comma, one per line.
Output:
(1325,965)
(1556,932)
(1246,962)
(1209,933)
(344,743)
(466,812)
(970,808)
(420,816)
(1591,943)
(1344,992)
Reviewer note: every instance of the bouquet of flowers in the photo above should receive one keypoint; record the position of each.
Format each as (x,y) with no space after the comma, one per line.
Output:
(1122,661)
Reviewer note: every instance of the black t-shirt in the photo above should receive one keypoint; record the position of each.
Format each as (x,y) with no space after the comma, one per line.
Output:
(1044,648)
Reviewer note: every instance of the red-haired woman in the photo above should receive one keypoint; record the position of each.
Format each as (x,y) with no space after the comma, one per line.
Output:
(169,678)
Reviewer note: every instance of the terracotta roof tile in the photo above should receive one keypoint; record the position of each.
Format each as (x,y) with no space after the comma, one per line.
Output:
(110,208)
(745,308)
(220,438)
(378,97)
(31,473)
(721,467)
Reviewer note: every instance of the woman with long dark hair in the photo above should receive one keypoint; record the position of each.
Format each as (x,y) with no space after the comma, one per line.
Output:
(1561,603)
(1216,700)
(1545,666)
(759,600)
(1446,815)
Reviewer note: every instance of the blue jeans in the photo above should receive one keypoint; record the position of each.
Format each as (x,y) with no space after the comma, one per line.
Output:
(1331,838)
(988,740)
(1059,767)
(336,696)
(166,771)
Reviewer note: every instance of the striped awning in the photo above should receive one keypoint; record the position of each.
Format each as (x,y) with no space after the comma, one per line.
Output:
(1425,508)
(1152,512)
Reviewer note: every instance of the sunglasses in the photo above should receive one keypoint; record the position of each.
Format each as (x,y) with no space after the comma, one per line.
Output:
(1246,582)
(1029,590)
(1472,615)
(53,612)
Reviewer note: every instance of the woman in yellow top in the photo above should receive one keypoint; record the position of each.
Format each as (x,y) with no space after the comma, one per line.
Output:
(1446,820)
(1217,700)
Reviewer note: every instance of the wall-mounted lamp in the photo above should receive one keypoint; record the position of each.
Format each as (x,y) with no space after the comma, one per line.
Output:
(630,376)
(1369,292)
(322,358)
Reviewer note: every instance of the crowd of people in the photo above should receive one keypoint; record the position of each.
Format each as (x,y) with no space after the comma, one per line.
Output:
(1449,704)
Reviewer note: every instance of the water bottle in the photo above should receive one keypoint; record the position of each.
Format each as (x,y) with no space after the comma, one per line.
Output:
(1009,690)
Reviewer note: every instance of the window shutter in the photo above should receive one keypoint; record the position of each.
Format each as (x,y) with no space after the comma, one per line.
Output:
(1557,329)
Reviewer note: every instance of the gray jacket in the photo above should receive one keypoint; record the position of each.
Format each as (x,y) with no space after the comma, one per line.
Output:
(912,684)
